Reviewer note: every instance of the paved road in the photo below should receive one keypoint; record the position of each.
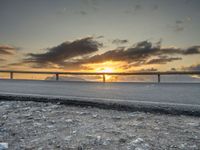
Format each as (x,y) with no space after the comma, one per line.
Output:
(162,93)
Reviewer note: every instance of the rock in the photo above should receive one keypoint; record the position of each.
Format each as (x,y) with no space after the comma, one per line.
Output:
(138,144)
(94,116)
(106,142)
(122,140)
(69,120)
(37,124)
(68,138)
(80,148)
(140,118)
(3,146)
(183,145)
(74,132)
(134,114)
(193,146)
(98,138)
(194,124)
(82,113)
(116,118)
(35,140)
(69,127)
(89,136)
(50,126)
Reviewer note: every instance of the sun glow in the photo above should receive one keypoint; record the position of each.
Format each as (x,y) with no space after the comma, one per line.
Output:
(106,67)
(105,70)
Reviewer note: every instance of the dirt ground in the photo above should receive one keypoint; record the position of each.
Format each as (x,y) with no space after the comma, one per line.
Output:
(32,125)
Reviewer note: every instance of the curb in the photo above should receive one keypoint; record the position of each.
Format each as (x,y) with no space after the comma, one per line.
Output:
(116,104)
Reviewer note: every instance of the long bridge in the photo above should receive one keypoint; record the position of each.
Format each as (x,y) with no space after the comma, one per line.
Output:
(103,74)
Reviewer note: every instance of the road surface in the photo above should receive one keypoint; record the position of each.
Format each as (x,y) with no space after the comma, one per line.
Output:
(178,93)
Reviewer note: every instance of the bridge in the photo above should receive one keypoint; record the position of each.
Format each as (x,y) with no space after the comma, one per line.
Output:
(103,74)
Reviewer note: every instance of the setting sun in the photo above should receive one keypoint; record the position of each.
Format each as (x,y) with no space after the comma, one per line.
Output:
(105,70)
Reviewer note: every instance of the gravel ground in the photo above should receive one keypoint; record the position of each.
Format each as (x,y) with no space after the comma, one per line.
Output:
(32,125)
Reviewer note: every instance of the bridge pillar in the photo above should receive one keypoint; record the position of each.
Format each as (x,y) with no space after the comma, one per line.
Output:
(11,75)
(104,78)
(57,76)
(158,78)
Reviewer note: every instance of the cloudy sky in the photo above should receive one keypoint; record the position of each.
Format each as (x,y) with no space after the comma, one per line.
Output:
(95,35)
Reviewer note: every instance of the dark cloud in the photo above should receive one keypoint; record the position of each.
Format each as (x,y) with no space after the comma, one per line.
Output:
(73,55)
(163,60)
(192,50)
(7,50)
(149,69)
(193,68)
(179,25)
(118,41)
(141,52)
(189,51)
(173,69)
(100,37)
(64,52)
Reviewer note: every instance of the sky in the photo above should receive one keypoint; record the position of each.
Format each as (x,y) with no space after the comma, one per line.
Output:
(100,35)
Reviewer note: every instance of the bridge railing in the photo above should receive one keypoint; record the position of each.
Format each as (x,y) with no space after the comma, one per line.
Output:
(103,74)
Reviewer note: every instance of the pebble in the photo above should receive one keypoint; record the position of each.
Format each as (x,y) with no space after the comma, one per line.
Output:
(26,125)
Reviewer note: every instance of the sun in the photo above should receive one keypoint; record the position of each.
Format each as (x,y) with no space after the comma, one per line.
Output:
(106,70)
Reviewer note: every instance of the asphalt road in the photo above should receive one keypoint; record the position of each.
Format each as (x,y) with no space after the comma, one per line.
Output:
(175,93)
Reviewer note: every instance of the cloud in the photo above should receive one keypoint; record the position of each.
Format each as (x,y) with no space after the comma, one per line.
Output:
(149,69)
(77,54)
(118,41)
(141,52)
(192,50)
(99,37)
(64,52)
(180,25)
(7,50)
(7,54)
(163,60)
(193,67)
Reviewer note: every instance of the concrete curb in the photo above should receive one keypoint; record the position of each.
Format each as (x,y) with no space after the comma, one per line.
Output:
(116,104)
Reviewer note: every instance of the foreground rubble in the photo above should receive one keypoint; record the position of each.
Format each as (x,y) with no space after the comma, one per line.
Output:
(32,125)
